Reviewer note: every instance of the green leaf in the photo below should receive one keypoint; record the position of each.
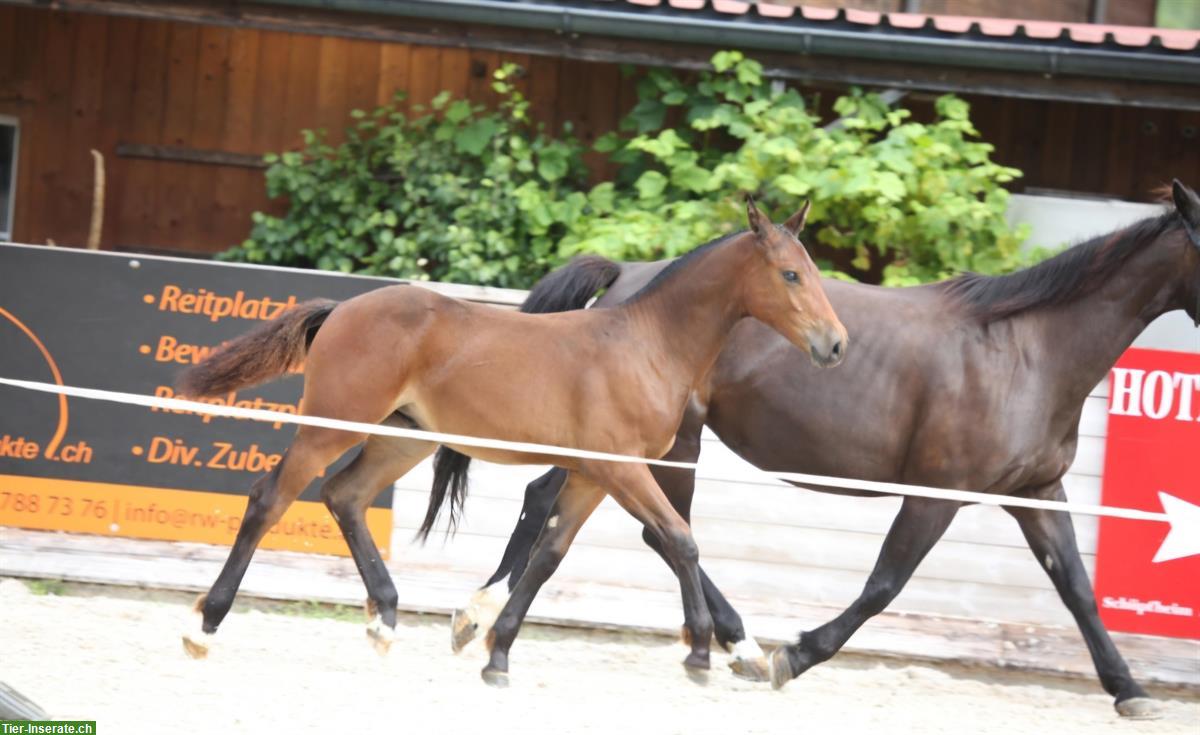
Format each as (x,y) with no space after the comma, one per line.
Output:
(647,115)
(475,136)
(458,111)
(552,164)
(651,184)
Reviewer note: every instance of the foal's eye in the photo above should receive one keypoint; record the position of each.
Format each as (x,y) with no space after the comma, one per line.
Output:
(791,276)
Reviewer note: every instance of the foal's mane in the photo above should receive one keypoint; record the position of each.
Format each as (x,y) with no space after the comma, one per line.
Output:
(678,265)
(1069,275)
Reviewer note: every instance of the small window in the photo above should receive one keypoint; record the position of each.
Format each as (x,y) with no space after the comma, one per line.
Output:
(8,174)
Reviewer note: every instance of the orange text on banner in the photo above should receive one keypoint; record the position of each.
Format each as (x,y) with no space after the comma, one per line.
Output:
(172,515)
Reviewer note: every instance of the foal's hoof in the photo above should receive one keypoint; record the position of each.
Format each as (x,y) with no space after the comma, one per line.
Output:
(462,630)
(494,677)
(196,645)
(751,669)
(749,662)
(781,668)
(1139,708)
(380,635)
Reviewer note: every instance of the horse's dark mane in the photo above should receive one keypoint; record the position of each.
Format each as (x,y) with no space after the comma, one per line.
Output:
(677,265)
(1067,276)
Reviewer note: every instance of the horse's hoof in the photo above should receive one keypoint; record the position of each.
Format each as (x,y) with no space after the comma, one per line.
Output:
(1139,708)
(380,635)
(195,645)
(494,677)
(462,630)
(781,668)
(697,666)
(751,669)
(698,676)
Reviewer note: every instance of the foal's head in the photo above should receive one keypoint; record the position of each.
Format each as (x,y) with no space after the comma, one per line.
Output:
(1187,204)
(783,288)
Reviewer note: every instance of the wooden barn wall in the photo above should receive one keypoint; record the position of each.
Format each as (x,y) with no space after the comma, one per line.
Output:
(78,81)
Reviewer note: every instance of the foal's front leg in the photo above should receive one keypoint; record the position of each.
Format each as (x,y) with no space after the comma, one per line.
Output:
(634,488)
(576,501)
(679,485)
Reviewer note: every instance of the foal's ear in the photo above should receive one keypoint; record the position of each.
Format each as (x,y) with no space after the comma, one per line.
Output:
(795,223)
(759,224)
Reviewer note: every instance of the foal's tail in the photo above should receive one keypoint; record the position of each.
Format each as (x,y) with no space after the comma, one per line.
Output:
(265,352)
(566,289)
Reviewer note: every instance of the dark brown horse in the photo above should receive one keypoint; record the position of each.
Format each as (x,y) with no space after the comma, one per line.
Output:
(976,383)
(610,380)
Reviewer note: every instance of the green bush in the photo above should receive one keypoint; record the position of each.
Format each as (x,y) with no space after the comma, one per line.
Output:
(464,194)
(456,194)
(898,201)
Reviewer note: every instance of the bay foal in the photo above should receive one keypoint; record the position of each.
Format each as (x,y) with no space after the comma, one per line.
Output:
(613,380)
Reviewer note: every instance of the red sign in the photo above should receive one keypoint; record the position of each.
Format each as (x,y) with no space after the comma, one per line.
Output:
(1153,448)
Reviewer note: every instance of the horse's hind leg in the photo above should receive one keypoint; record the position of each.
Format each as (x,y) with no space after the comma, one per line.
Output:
(347,495)
(1051,537)
(575,503)
(916,528)
(480,613)
(311,452)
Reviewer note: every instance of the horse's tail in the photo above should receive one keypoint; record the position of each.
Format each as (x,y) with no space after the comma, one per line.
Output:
(566,289)
(265,352)
(572,286)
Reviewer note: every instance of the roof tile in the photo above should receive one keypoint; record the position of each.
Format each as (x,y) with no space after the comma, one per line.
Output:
(732,7)
(1077,33)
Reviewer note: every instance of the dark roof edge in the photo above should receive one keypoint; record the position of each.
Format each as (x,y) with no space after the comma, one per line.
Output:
(801,37)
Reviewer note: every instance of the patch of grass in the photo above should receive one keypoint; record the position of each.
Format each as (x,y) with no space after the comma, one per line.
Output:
(46,586)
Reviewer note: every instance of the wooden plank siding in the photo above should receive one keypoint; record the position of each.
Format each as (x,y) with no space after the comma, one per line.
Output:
(78,81)
(98,81)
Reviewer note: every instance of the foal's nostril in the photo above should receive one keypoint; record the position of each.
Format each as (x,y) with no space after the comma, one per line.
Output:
(837,350)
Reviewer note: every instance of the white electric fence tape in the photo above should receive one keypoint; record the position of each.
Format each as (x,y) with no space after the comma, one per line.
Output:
(1179,542)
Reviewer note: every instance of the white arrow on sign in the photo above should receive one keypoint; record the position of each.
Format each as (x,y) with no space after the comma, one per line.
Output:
(1182,540)
(1184,537)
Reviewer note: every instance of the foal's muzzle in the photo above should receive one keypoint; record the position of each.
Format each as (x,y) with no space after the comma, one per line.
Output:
(828,348)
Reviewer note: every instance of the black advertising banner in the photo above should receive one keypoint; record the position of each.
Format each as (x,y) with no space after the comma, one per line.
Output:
(131,323)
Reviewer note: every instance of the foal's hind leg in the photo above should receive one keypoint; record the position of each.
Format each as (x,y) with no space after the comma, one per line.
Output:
(347,495)
(916,528)
(576,501)
(311,451)
(480,613)
(1051,537)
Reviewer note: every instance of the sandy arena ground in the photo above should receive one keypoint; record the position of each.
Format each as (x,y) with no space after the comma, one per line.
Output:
(105,654)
